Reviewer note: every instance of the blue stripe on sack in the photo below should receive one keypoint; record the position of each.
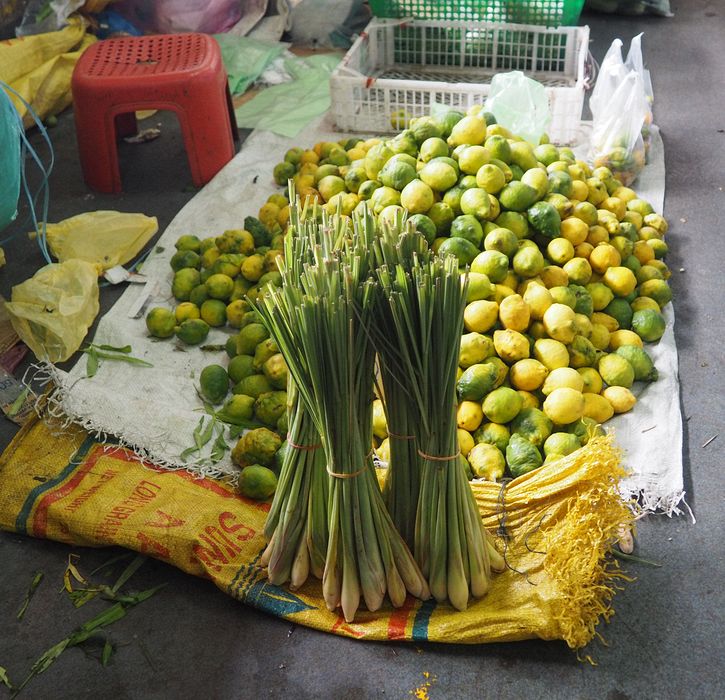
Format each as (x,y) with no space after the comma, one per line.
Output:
(21,522)
(422,618)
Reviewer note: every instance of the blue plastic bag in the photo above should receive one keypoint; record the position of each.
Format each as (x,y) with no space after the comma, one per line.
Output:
(9,160)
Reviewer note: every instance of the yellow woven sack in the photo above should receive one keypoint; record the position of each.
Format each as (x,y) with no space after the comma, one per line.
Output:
(52,311)
(559,522)
(105,238)
(39,68)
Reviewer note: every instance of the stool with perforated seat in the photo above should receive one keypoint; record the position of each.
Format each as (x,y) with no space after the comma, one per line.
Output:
(178,72)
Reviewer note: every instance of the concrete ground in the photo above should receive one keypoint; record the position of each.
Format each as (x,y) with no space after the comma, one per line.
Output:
(665,641)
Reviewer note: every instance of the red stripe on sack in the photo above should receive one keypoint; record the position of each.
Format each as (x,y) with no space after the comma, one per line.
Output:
(40,519)
(399,619)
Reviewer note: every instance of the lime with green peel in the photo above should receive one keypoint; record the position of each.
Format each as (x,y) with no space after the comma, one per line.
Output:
(188,242)
(397,174)
(521,456)
(192,331)
(499,148)
(214,312)
(532,424)
(467,226)
(442,216)
(253,385)
(545,219)
(656,289)
(502,405)
(642,364)
(621,310)
(424,225)
(479,287)
(494,434)
(503,240)
(375,159)
(249,337)
(561,444)
(439,176)
(237,410)
(214,383)
(257,482)
(366,189)
(433,147)
(161,322)
(269,407)
(476,382)
(514,221)
(528,261)
(648,324)
(185,258)
(463,249)
(184,281)
(517,196)
(240,366)
(491,263)
(476,202)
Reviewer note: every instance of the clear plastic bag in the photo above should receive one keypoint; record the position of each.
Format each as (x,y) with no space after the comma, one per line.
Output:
(520,104)
(635,62)
(617,129)
(52,311)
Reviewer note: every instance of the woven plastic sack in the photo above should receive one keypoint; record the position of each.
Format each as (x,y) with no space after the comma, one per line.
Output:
(559,522)
(104,238)
(9,160)
(52,311)
(520,104)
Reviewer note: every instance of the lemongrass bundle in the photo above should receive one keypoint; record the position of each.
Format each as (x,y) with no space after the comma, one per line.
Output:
(323,330)
(450,543)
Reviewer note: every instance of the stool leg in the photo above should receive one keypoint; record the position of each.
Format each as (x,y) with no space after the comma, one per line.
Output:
(126,124)
(96,136)
(207,137)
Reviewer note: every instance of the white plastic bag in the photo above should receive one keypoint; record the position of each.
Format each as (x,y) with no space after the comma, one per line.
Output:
(611,73)
(635,62)
(520,104)
(617,129)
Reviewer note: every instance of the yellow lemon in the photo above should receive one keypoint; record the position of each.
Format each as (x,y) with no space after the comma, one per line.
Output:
(560,250)
(417,197)
(597,407)
(480,316)
(473,158)
(620,280)
(643,252)
(609,322)
(469,415)
(528,374)
(592,380)
(383,451)
(160,322)
(186,310)
(624,337)
(604,256)
(579,190)
(529,400)
(487,462)
(554,276)
(465,441)
(539,299)
(562,377)
(559,322)
(599,337)
(597,234)
(615,205)
(621,398)
(511,346)
(514,313)
(564,405)
(579,271)
(380,422)
(236,311)
(574,230)
(644,303)
(583,250)
(469,130)
(551,353)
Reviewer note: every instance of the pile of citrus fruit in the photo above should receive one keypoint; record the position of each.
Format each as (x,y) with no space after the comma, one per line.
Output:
(566,281)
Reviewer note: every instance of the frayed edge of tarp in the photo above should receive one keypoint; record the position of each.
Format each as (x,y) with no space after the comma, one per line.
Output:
(51,406)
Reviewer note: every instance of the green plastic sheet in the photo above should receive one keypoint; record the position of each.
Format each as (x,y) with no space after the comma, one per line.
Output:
(245,59)
(288,108)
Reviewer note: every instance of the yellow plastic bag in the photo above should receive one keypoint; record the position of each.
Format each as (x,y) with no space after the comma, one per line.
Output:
(39,68)
(105,238)
(52,311)
(559,522)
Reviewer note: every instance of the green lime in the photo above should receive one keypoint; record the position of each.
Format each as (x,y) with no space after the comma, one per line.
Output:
(214,383)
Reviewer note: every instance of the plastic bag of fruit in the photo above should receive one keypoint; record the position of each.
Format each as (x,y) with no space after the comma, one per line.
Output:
(619,110)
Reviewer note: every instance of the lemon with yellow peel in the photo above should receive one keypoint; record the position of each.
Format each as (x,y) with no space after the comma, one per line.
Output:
(417,197)
(161,322)
(487,462)
(480,316)
(624,337)
(621,398)
(615,370)
(597,407)
(560,250)
(502,405)
(469,415)
(604,256)
(554,276)
(511,346)
(186,310)
(599,337)
(475,348)
(383,451)
(469,130)
(380,423)
(574,230)
(539,299)
(528,374)
(473,158)
(645,303)
(514,313)
(551,353)
(564,405)
(465,441)
(559,321)
(562,377)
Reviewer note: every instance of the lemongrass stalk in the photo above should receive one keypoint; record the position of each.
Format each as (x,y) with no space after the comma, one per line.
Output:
(300,566)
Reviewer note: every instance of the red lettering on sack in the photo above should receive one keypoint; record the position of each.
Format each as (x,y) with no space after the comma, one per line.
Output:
(152,547)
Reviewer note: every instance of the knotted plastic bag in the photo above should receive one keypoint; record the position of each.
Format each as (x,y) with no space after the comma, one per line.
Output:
(520,104)
(105,238)
(635,62)
(52,311)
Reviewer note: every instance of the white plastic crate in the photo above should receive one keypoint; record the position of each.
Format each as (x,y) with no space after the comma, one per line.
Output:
(399,67)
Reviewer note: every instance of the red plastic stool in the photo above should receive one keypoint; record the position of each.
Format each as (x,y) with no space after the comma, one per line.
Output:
(179,72)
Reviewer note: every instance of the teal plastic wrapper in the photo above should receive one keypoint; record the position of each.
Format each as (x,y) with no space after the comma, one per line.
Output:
(245,59)
(9,160)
